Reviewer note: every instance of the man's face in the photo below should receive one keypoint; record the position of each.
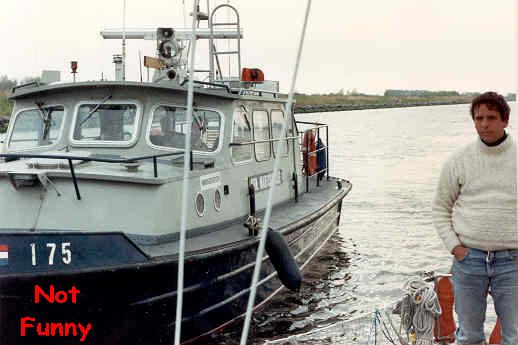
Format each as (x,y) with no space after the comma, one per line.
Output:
(489,123)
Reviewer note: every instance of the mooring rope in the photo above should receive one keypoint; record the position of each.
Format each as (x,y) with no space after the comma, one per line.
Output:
(186,171)
(264,228)
(418,310)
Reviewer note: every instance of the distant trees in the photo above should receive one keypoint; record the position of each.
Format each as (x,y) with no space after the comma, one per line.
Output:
(419,93)
(6,85)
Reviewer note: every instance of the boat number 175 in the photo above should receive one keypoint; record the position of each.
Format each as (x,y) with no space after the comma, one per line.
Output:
(66,253)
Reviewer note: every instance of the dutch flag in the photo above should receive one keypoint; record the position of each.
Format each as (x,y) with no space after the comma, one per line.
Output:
(4,254)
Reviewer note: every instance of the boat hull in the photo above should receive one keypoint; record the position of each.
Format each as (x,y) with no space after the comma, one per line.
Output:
(135,304)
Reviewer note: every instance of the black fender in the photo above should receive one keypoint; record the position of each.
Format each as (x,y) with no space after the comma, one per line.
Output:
(283,261)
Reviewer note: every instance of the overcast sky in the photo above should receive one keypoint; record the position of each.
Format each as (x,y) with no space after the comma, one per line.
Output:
(370,45)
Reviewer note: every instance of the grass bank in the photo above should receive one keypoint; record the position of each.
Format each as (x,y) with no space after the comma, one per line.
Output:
(334,102)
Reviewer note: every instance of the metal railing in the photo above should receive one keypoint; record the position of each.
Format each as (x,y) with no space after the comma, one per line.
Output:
(244,143)
(308,140)
(256,92)
(206,83)
(71,158)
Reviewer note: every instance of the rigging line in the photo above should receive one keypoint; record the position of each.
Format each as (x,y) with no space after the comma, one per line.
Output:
(264,228)
(184,16)
(124,41)
(228,43)
(186,170)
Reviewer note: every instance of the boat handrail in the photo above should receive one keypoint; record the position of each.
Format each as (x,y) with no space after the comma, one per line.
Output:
(33,83)
(70,158)
(208,84)
(307,151)
(312,123)
(262,141)
(252,92)
(311,129)
(15,156)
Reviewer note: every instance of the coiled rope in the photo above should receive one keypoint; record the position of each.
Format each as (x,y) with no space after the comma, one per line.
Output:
(418,310)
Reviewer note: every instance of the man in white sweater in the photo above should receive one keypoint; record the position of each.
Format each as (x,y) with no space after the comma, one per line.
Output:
(474,212)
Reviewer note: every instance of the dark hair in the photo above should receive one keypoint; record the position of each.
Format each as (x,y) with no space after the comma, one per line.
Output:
(493,101)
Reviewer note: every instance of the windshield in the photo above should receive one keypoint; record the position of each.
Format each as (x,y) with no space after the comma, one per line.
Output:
(36,127)
(106,123)
(170,125)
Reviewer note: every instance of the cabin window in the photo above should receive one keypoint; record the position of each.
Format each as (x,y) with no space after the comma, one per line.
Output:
(241,133)
(36,127)
(169,127)
(277,120)
(261,132)
(115,123)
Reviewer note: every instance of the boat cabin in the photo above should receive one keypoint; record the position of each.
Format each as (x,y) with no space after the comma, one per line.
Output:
(125,145)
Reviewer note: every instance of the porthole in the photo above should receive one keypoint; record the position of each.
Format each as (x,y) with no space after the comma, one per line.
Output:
(217,200)
(200,204)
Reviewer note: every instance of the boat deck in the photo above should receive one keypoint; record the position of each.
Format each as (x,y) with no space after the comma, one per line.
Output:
(236,233)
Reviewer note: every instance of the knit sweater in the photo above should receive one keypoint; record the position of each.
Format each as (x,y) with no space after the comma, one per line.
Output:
(475,200)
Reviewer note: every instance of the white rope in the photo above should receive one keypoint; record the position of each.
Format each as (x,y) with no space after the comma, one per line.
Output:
(419,308)
(186,171)
(124,41)
(184,14)
(264,228)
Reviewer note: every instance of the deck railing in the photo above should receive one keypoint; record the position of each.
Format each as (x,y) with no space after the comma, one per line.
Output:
(311,145)
(71,158)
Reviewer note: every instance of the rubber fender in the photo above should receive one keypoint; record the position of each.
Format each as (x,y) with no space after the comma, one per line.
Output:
(283,261)
(446,321)
(496,334)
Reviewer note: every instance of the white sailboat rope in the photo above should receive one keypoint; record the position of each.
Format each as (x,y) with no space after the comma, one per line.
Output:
(124,41)
(418,310)
(264,228)
(186,171)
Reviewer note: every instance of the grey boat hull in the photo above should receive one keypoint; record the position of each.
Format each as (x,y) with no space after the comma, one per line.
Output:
(135,303)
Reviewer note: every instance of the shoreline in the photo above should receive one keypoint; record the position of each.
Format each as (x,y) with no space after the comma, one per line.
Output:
(325,108)
(322,108)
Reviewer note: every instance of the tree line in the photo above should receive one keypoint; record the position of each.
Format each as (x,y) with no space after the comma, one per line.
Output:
(6,106)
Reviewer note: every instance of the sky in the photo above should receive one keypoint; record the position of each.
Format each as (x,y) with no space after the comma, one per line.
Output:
(368,46)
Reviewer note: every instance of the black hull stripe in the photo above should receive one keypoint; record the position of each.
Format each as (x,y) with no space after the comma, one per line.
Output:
(286,230)
(223,277)
(262,281)
(165,260)
(264,301)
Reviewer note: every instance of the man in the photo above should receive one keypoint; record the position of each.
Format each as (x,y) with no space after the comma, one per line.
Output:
(474,212)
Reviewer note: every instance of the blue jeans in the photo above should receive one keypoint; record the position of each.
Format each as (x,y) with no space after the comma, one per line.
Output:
(472,277)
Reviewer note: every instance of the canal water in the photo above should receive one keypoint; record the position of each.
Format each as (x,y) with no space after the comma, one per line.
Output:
(386,237)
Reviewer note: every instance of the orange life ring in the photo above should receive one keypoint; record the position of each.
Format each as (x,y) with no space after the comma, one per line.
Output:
(446,321)
(252,75)
(308,146)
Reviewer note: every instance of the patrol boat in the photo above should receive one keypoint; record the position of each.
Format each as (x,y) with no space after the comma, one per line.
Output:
(91,185)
